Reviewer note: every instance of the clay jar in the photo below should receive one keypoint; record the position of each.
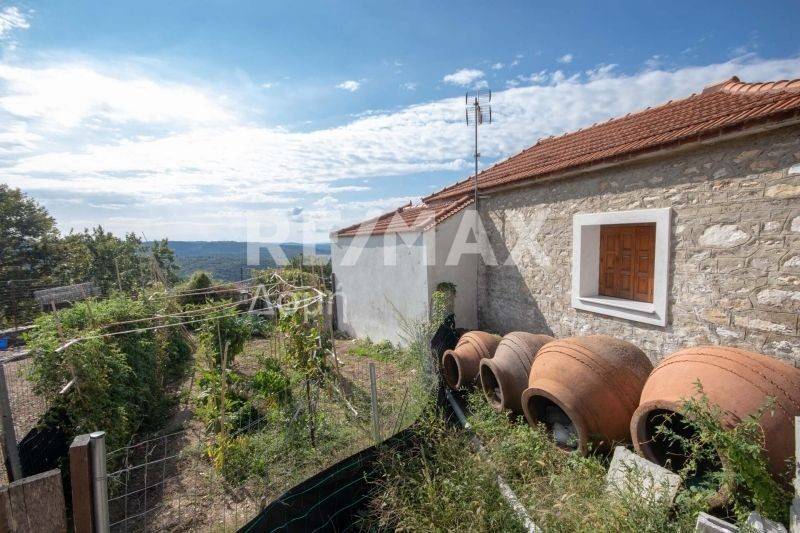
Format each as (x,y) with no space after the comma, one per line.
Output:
(737,381)
(585,389)
(460,365)
(505,376)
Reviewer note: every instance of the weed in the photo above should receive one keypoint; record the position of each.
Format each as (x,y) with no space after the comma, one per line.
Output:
(382,351)
(438,485)
(725,466)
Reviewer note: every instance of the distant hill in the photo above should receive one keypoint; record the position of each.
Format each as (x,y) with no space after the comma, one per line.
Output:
(227,260)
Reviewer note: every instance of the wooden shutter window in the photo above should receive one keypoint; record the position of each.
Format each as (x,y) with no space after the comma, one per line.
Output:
(627,261)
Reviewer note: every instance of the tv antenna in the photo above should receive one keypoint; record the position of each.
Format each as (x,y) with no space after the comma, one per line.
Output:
(478,111)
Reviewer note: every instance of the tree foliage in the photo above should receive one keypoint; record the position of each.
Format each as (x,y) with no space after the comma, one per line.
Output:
(35,256)
(119,381)
(29,245)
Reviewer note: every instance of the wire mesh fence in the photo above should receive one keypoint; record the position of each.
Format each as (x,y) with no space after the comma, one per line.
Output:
(26,408)
(217,473)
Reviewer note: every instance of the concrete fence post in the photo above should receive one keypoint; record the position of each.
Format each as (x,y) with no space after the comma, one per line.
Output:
(10,450)
(99,481)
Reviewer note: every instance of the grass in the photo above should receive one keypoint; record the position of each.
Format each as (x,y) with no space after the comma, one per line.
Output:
(446,485)
(382,351)
(438,486)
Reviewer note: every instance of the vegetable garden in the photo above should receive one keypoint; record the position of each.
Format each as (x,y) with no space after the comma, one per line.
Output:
(216,398)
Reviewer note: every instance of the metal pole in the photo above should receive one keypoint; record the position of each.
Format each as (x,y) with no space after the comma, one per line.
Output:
(97,447)
(477,222)
(505,488)
(10,449)
(373,386)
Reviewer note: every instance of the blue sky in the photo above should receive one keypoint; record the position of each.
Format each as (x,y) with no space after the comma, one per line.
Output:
(193,120)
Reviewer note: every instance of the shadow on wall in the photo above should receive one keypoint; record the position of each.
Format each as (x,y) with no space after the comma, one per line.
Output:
(528,296)
(512,307)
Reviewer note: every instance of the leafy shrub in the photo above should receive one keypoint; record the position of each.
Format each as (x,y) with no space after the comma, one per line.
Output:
(119,380)
(726,466)
(271,383)
(197,290)
(305,345)
(239,459)
(223,327)
(442,301)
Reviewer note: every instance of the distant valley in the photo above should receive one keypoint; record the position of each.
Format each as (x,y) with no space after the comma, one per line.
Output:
(227,260)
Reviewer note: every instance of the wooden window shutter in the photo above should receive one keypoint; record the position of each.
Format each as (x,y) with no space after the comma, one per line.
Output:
(627,261)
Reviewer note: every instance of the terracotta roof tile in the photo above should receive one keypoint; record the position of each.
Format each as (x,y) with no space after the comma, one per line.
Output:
(408,218)
(722,107)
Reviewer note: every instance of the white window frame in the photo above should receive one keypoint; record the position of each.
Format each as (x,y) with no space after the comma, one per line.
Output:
(586,265)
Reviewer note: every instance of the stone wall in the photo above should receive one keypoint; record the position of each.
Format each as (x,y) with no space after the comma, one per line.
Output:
(735,248)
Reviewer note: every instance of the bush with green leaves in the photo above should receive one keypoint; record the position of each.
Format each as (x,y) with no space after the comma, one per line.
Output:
(119,380)
(271,383)
(442,302)
(305,344)
(221,328)
(726,467)
(201,288)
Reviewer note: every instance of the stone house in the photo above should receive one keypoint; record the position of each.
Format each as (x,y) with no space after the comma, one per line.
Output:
(674,226)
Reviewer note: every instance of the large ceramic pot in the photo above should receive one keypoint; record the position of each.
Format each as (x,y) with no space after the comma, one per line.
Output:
(737,381)
(505,376)
(585,389)
(461,364)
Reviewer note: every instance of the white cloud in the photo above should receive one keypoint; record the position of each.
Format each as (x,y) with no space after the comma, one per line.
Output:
(137,144)
(349,85)
(410,86)
(464,77)
(12,18)
(566,58)
(497,66)
(268,85)
(68,96)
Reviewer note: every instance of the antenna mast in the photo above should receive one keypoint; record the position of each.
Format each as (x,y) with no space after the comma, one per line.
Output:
(477,112)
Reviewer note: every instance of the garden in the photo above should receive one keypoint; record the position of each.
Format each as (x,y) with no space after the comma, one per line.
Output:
(215,397)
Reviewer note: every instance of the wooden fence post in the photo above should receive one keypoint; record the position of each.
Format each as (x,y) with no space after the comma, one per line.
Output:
(80,474)
(34,504)
(10,450)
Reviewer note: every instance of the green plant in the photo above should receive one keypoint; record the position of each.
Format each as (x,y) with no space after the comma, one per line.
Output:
(201,288)
(271,383)
(725,464)
(223,330)
(442,301)
(119,380)
(304,342)
(382,351)
(438,485)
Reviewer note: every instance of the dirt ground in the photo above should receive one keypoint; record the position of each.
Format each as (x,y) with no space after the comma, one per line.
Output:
(172,485)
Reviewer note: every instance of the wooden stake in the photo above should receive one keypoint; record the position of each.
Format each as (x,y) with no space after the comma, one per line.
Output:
(10,449)
(58,322)
(224,389)
(311,427)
